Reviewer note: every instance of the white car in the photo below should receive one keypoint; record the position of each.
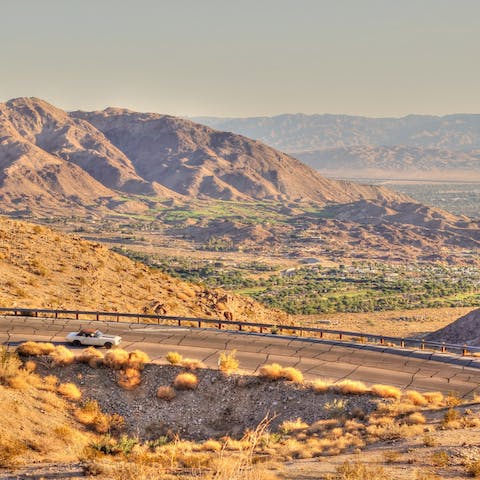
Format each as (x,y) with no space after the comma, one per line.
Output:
(93,337)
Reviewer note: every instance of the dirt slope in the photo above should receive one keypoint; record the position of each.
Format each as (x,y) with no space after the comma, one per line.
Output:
(43,268)
(465,329)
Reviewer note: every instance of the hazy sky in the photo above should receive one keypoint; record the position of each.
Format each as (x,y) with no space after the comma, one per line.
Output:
(244,57)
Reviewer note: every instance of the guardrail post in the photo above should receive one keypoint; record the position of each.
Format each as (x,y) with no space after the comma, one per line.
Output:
(340,336)
(321,334)
(443,349)
(36,314)
(402,343)
(56,314)
(199,324)
(240,327)
(76,316)
(96,317)
(15,313)
(464,350)
(261,329)
(118,318)
(219,325)
(179,323)
(422,345)
(382,341)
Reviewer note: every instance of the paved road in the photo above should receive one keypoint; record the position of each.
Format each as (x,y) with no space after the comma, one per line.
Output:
(421,370)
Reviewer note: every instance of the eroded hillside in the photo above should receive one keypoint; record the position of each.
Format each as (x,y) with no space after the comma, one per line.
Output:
(42,268)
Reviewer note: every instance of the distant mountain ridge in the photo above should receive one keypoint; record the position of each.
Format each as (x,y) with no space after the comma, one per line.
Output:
(415,146)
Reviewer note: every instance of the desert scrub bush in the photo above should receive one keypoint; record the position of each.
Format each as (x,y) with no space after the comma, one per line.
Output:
(90,415)
(321,386)
(165,392)
(429,441)
(386,391)
(274,371)
(116,358)
(453,399)
(61,356)
(211,446)
(70,391)
(351,387)
(416,398)
(228,362)
(191,363)
(174,358)
(35,349)
(289,426)
(50,383)
(473,468)
(450,416)
(434,398)
(10,364)
(137,359)
(292,375)
(359,471)
(112,446)
(90,356)
(440,459)
(29,366)
(185,381)
(416,418)
(129,378)
(10,450)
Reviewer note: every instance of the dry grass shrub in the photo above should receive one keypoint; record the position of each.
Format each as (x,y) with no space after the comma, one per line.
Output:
(192,363)
(90,356)
(416,418)
(185,381)
(90,415)
(292,375)
(10,364)
(359,471)
(137,359)
(211,446)
(274,371)
(434,398)
(321,386)
(440,459)
(228,362)
(61,356)
(50,383)
(351,387)
(10,451)
(416,398)
(70,391)
(30,366)
(386,391)
(452,399)
(174,358)
(165,392)
(473,468)
(289,426)
(116,358)
(35,349)
(18,382)
(129,378)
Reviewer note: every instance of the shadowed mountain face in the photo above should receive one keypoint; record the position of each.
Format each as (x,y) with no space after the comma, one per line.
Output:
(196,161)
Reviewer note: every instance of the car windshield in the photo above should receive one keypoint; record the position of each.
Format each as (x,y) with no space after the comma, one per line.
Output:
(98,333)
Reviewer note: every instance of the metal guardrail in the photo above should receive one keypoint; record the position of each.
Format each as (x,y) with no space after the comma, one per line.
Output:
(272,328)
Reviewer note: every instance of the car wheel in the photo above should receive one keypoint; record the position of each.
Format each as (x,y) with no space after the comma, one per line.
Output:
(77,343)
(108,345)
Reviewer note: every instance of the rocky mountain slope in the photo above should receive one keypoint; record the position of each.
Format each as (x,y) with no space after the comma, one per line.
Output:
(196,161)
(464,330)
(42,268)
(56,162)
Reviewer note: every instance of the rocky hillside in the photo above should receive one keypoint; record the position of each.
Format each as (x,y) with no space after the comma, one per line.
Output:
(55,162)
(43,268)
(199,162)
(464,330)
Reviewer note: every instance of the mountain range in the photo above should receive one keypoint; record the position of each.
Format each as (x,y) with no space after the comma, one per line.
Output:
(415,146)
(56,161)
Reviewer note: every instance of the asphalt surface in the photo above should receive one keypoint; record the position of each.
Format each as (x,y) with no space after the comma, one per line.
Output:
(334,360)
